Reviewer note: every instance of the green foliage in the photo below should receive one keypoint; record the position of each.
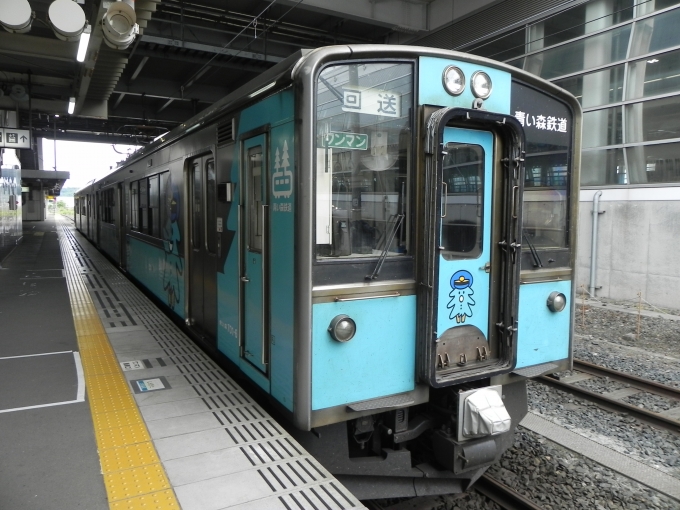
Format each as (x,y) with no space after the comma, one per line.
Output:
(63,208)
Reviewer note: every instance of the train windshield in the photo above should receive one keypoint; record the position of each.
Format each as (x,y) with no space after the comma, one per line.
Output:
(363,128)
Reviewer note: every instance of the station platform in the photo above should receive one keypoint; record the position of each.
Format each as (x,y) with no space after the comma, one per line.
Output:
(105,403)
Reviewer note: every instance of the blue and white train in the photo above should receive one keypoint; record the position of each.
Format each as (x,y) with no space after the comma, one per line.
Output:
(381,238)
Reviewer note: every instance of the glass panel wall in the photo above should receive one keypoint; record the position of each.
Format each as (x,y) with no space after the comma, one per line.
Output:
(598,88)
(654,76)
(602,167)
(649,6)
(653,120)
(656,33)
(630,60)
(594,51)
(602,127)
(654,163)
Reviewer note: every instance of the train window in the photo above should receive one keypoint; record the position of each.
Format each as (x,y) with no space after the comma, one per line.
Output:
(108,204)
(197,194)
(363,122)
(210,205)
(166,204)
(154,207)
(254,198)
(134,205)
(463,207)
(144,206)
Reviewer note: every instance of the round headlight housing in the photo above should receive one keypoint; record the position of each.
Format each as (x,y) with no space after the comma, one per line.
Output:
(557,301)
(454,80)
(342,328)
(481,85)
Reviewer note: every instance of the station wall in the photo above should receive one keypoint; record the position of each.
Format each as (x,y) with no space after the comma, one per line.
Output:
(638,244)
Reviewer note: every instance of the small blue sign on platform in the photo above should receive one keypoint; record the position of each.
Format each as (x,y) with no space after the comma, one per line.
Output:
(147,385)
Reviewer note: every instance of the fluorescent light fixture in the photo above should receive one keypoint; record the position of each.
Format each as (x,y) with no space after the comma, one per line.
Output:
(71,105)
(82,45)
(260,91)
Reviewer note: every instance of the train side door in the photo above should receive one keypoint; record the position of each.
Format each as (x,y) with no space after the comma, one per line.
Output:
(203,245)
(254,231)
(461,317)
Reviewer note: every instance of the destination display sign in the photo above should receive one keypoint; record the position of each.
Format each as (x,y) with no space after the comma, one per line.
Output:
(372,102)
(11,138)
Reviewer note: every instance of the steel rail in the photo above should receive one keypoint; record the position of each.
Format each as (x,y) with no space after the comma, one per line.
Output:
(503,495)
(652,418)
(632,380)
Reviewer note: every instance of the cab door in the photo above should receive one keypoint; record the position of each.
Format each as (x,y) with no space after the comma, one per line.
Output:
(203,245)
(254,253)
(463,280)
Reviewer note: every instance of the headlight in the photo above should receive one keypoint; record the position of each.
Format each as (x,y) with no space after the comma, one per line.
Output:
(454,80)
(557,301)
(481,85)
(342,328)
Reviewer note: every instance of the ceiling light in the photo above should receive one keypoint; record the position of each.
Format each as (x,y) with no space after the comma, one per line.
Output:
(84,42)
(16,16)
(653,61)
(67,19)
(71,105)
(119,25)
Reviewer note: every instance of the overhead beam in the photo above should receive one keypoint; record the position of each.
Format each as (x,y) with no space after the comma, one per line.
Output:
(139,68)
(165,105)
(165,89)
(39,105)
(85,136)
(36,79)
(38,47)
(163,41)
(87,68)
(401,15)
(192,59)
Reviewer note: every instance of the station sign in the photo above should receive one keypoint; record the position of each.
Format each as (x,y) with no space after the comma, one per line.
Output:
(11,138)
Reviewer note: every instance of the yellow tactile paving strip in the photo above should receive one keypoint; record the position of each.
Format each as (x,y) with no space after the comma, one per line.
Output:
(133,474)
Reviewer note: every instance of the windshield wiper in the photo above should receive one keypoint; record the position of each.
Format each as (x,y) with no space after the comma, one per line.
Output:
(332,89)
(388,242)
(534,253)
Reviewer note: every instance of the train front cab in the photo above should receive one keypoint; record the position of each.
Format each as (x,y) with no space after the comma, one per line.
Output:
(429,294)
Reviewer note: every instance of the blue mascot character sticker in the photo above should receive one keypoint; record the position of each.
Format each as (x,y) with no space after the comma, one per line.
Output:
(461,296)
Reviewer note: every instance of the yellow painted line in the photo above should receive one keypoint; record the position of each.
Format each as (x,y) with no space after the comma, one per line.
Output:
(133,474)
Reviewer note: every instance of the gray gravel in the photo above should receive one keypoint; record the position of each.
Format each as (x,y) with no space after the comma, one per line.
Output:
(557,478)
(656,448)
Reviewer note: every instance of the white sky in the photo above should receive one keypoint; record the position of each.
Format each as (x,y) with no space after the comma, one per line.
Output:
(85,161)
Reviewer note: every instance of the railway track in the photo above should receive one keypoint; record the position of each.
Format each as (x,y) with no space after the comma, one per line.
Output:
(501,494)
(613,401)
